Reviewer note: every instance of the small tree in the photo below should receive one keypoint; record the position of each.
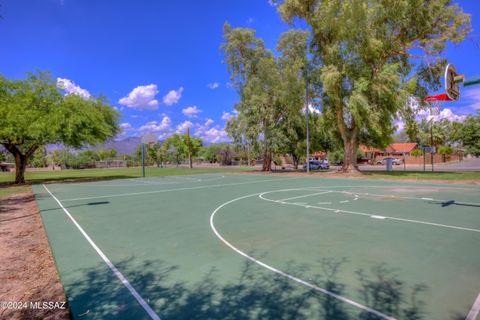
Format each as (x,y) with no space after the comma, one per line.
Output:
(444,151)
(157,153)
(191,146)
(34,113)
(416,153)
(470,135)
(225,154)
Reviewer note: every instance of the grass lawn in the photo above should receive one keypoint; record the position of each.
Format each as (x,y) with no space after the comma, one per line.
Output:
(11,190)
(112,173)
(464,175)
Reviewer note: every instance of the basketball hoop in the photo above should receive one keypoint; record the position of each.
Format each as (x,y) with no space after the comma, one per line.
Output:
(435,103)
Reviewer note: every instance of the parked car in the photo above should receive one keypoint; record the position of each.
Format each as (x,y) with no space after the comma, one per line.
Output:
(363,160)
(317,165)
(395,161)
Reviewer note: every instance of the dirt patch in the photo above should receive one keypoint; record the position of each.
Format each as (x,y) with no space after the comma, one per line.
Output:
(29,282)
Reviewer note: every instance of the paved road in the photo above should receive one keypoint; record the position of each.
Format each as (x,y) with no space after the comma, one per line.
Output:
(466,165)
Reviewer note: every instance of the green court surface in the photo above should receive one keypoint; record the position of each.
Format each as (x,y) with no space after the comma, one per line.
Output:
(245,246)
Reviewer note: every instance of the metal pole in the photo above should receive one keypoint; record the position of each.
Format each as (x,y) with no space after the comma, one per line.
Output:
(143,160)
(431,141)
(423,158)
(308,131)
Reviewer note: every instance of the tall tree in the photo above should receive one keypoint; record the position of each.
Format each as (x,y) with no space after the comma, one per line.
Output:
(254,73)
(34,113)
(470,135)
(271,89)
(364,48)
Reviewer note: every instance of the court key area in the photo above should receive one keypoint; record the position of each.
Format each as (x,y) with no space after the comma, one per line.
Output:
(247,246)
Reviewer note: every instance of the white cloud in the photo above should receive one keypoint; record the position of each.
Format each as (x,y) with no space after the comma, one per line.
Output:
(71,88)
(125,126)
(162,129)
(273,3)
(182,127)
(214,135)
(226,116)
(208,122)
(142,98)
(173,96)
(250,20)
(211,135)
(424,114)
(155,126)
(213,85)
(450,115)
(191,111)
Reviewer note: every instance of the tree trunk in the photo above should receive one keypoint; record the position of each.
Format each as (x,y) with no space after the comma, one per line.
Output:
(350,156)
(349,137)
(267,161)
(190,160)
(295,161)
(20,166)
(20,160)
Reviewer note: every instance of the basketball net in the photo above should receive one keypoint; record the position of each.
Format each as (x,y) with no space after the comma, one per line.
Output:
(434,108)
(435,103)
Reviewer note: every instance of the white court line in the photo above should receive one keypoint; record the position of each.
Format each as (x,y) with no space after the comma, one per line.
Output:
(389,195)
(475,310)
(178,189)
(289,276)
(112,267)
(140,182)
(303,196)
(367,214)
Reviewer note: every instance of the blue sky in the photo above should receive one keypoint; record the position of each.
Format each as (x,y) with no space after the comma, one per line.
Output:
(159,62)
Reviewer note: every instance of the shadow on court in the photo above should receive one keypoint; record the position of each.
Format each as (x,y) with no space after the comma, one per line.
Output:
(255,294)
(78,205)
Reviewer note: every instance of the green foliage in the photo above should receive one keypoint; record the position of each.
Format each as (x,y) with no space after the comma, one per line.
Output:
(104,154)
(157,153)
(34,113)
(39,158)
(445,150)
(363,50)
(177,148)
(225,154)
(210,152)
(416,153)
(335,156)
(272,94)
(440,132)
(470,135)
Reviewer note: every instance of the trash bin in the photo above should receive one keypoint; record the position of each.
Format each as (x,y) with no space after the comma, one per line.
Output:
(389,162)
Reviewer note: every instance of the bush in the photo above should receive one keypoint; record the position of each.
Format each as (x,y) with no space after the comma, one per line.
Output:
(416,153)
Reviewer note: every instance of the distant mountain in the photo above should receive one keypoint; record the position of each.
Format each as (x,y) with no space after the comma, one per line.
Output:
(123,146)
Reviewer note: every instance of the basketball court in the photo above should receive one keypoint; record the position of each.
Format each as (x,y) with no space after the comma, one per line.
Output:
(245,246)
